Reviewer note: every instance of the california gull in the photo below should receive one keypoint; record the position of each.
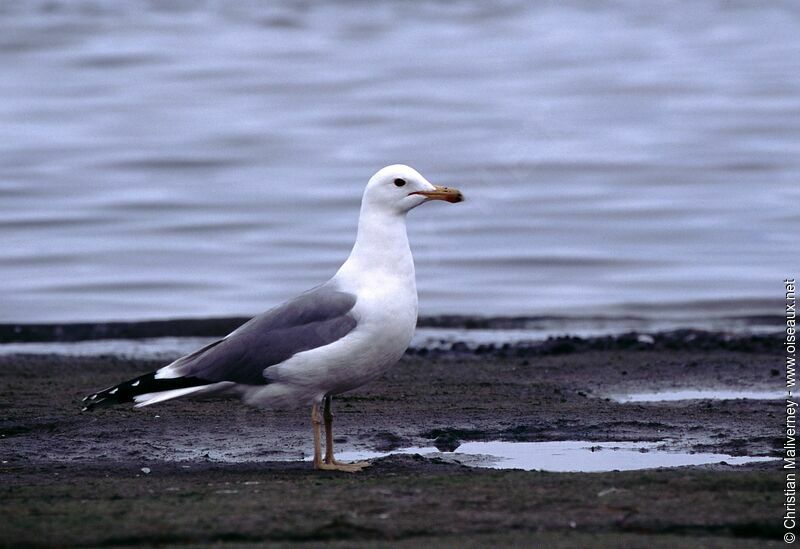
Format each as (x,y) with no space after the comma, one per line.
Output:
(331,339)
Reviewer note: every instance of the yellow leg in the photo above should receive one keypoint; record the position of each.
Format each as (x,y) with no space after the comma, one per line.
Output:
(315,426)
(330,463)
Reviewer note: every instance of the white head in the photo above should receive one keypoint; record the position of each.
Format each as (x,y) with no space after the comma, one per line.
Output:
(398,188)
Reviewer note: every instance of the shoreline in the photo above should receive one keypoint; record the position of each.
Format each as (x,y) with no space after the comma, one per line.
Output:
(75,478)
(21,332)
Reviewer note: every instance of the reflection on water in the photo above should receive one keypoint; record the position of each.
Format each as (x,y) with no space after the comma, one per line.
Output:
(700,394)
(171,159)
(564,456)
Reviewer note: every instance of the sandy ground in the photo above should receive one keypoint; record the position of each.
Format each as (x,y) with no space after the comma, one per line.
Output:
(223,474)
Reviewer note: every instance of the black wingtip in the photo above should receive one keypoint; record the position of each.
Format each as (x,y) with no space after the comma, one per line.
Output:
(128,390)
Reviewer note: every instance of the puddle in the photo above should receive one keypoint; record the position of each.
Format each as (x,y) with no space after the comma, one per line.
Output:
(554,456)
(564,456)
(699,394)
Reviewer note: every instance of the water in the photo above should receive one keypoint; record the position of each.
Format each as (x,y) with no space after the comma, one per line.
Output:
(206,159)
(701,394)
(161,348)
(561,456)
(564,456)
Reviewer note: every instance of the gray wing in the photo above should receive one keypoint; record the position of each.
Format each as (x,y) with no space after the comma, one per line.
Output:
(313,319)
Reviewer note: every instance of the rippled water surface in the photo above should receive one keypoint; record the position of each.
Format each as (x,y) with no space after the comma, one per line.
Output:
(205,159)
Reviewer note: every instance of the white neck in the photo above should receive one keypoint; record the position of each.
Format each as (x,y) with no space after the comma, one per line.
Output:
(381,248)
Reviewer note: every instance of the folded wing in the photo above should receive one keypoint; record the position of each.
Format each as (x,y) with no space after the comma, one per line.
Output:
(311,320)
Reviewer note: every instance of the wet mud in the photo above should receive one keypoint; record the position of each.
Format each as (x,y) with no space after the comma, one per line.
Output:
(216,472)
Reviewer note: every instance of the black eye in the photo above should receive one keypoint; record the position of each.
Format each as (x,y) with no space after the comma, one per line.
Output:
(399,182)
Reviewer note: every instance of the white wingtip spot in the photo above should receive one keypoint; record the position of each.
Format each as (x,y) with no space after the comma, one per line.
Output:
(113,391)
(135,383)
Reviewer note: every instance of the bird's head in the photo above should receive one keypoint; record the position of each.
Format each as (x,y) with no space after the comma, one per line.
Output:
(400,188)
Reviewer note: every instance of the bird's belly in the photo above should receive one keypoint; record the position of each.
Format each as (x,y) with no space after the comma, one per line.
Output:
(368,365)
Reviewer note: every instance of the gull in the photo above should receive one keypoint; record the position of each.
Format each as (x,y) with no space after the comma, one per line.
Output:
(331,339)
